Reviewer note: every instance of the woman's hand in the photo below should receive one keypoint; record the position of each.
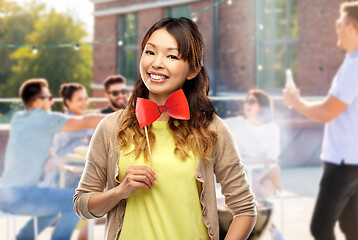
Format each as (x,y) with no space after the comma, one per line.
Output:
(137,177)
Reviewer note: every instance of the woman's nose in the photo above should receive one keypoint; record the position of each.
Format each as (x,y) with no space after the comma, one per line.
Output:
(158,62)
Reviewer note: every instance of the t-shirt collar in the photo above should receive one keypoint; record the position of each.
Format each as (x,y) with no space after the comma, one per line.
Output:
(353,54)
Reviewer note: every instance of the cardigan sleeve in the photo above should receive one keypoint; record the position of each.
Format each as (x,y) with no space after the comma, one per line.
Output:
(230,174)
(94,176)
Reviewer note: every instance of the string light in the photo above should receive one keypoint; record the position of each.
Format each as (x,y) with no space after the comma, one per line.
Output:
(34,50)
(260,26)
(260,68)
(193,16)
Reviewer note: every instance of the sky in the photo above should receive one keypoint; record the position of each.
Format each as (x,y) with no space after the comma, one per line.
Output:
(83,9)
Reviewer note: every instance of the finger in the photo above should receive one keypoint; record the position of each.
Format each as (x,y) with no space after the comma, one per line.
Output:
(137,185)
(143,178)
(143,170)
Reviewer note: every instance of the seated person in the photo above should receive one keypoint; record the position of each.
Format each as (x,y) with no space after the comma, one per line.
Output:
(75,103)
(258,140)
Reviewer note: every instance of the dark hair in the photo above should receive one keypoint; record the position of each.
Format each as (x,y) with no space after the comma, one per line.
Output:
(112,80)
(193,133)
(351,8)
(31,89)
(67,90)
(265,114)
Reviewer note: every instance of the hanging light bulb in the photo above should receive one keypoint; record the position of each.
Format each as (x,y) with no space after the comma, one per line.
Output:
(260,26)
(194,17)
(229,2)
(76,47)
(34,50)
(260,68)
(120,43)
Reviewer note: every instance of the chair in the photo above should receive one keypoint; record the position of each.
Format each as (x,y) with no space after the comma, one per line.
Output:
(11,234)
(264,218)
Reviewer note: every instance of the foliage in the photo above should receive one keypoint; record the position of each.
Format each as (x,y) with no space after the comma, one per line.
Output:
(35,26)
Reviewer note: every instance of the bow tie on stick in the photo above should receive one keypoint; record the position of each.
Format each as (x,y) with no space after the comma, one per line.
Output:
(176,106)
(148,111)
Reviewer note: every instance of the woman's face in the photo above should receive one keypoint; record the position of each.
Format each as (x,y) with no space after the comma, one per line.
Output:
(251,106)
(79,102)
(162,69)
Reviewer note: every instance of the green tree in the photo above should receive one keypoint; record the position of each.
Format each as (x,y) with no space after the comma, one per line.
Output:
(57,65)
(15,24)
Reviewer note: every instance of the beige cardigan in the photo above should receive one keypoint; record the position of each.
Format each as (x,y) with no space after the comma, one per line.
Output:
(101,172)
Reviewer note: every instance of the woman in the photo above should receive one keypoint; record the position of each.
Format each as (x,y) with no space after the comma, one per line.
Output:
(75,103)
(258,140)
(175,199)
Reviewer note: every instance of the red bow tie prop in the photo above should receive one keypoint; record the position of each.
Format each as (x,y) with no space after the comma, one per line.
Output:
(176,106)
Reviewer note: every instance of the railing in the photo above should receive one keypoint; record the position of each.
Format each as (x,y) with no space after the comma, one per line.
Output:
(300,137)
(225,106)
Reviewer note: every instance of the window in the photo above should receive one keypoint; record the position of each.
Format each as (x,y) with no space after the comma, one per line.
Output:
(128,51)
(178,11)
(276,42)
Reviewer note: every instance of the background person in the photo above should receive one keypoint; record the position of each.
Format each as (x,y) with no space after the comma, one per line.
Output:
(75,102)
(117,93)
(258,140)
(338,194)
(31,135)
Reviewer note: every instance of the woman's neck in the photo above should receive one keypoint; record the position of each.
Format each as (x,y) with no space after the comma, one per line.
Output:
(255,121)
(73,113)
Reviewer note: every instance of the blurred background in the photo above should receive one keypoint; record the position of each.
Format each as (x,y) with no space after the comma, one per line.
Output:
(249,43)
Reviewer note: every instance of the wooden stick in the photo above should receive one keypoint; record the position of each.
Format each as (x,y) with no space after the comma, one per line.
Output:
(150,151)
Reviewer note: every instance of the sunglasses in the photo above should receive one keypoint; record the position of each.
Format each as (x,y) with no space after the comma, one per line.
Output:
(116,92)
(250,101)
(48,96)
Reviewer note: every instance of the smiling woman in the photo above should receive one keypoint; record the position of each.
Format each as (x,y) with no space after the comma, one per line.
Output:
(186,153)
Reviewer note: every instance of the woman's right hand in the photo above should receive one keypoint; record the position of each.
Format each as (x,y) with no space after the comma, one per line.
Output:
(137,177)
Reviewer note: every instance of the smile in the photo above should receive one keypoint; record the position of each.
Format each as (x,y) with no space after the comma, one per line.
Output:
(157,78)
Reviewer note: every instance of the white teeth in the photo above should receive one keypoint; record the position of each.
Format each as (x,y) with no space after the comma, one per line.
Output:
(157,77)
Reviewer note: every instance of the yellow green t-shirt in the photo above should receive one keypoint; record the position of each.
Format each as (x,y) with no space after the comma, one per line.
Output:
(171,209)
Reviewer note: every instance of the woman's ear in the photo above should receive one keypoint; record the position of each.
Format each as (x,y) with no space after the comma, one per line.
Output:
(194,74)
(67,100)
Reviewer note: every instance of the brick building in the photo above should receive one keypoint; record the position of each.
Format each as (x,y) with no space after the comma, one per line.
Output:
(248,43)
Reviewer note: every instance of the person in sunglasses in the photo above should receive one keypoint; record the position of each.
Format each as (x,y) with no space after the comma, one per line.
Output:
(258,140)
(116,92)
(31,135)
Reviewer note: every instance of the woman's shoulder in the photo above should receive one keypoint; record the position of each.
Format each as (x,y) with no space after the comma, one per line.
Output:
(111,121)
(218,124)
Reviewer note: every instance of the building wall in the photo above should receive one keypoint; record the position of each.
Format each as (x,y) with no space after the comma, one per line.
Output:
(235,69)
(236,55)
(318,56)
(104,54)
